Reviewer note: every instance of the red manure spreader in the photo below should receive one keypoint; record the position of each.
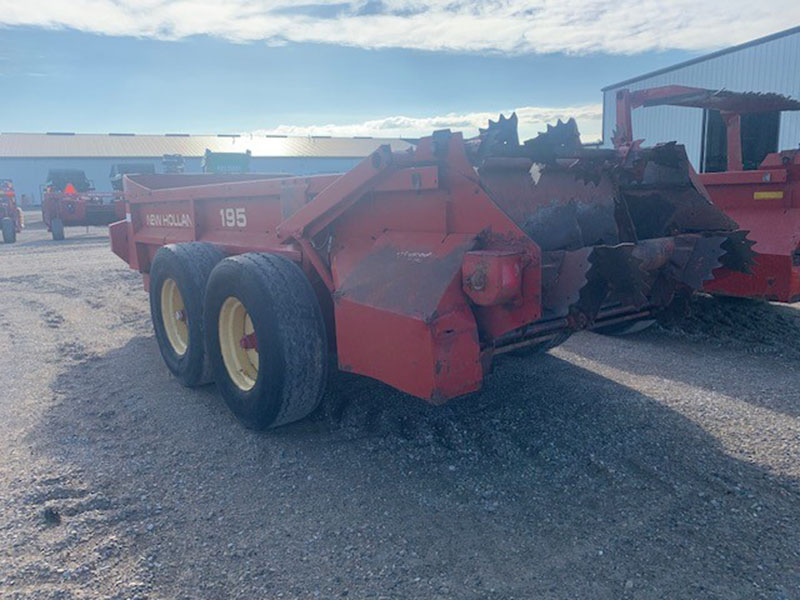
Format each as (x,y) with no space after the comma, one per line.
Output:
(69,199)
(759,188)
(10,214)
(415,268)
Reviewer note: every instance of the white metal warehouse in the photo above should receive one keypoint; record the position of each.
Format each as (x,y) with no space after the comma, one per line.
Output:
(27,157)
(768,64)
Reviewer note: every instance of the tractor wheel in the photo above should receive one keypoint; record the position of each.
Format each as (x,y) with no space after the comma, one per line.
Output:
(9,231)
(178,279)
(266,339)
(57,229)
(625,328)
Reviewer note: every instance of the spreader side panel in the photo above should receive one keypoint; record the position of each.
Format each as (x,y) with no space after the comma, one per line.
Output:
(402,318)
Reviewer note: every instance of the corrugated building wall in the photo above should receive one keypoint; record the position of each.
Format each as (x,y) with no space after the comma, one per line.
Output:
(26,158)
(770,64)
(29,174)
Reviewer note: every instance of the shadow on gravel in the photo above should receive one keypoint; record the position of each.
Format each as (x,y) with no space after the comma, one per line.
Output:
(552,483)
(745,349)
(68,241)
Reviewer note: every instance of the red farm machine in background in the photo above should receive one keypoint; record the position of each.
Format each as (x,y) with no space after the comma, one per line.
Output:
(10,214)
(69,199)
(759,189)
(414,268)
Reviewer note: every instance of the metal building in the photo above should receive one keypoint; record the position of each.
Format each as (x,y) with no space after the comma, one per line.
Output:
(768,64)
(26,157)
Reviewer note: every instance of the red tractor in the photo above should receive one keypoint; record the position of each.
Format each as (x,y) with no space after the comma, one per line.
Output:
(70,199)
(759,189)
(10,214)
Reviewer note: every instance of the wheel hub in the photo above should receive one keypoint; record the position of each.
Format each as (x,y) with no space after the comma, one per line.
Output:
(249,342)
(238,344)
(173,316)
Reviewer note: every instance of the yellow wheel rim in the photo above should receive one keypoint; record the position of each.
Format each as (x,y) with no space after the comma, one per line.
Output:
(173,315)
(237,343)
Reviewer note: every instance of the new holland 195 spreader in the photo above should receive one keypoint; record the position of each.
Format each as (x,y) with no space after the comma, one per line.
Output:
(414,268)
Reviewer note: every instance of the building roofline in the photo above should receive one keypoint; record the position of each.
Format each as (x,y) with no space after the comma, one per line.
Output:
(13,145)
(245,136)
(705,57)
(129,158)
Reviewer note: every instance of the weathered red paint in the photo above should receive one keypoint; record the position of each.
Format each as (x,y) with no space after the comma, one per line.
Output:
(765,201)
(425,263)
(491,277)
(89,208)
(8,204)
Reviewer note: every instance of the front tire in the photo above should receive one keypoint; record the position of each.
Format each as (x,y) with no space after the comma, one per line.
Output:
(266,339)
(178,279)
(57,229)
(9,231)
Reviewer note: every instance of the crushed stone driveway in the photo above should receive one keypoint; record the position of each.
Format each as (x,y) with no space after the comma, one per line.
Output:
(660,465)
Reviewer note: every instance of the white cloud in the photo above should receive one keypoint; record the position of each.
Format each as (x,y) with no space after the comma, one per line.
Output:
(532,119)
(574,26)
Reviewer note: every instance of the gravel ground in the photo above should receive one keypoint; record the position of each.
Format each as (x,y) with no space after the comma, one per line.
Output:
(662,465)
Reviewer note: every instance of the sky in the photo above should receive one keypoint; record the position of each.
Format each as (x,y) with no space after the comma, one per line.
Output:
(383,68)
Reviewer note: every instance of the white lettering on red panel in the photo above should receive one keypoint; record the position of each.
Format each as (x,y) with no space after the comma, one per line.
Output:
(169,220)
(233,217)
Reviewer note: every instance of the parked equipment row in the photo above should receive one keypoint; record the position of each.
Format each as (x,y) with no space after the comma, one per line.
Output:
(69,198)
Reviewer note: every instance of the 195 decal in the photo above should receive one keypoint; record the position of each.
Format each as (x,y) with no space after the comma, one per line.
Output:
(233,217)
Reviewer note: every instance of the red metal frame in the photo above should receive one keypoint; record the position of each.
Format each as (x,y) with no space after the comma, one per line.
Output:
(87,208)
(765,202)
(422,261)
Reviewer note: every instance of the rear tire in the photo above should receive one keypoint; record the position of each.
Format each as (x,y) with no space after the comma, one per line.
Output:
(266,339)
(178,279)
(9,231)
(57,229)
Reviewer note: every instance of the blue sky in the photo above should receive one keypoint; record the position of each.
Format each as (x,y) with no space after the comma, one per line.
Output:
(193,66)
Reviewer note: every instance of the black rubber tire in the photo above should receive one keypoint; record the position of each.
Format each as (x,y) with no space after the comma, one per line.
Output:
(9,231)
(57,229)
(189,265)
(625,328)
(290,329)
